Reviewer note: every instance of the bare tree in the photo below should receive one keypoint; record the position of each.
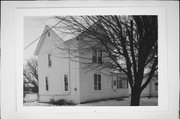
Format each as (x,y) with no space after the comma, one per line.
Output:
(129,45)
(30,73)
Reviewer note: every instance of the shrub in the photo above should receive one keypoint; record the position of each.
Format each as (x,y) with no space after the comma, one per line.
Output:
(62,102)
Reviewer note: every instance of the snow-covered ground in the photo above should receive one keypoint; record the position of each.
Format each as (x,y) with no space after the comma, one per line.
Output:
(36,103)
(125,102)
(30,97)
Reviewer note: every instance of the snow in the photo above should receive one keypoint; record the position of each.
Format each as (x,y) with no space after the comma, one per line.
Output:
(149,102)
(30,97)
(125,102)
(36,103)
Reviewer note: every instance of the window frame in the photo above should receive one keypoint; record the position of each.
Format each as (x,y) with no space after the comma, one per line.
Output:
(97,82)
(97,56)
(94,55)
(47,83)
(49,60)
(121,83)
(49,34)
(66,83)
(156,86)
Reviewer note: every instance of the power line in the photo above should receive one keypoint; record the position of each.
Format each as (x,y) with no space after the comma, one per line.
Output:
(43,34)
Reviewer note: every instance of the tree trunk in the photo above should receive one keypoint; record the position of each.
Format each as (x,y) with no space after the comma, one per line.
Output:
(135,97)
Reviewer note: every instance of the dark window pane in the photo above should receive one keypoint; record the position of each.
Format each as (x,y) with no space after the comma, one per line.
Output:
(94,59)
(95,53)
(94,56)
(124,83)
(49,56)
(127,83)
(99,56)
(117,81)
(47,88)
(49,63)
(66,87)
(99,78)
(99,82)
(95,78)
(95,87)
(66,82)
(49,60)
(100,60)
(99,86)
(114,82)
(95,81)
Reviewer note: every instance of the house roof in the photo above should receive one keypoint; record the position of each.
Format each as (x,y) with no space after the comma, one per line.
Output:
(39,45)
(67,42)
(71,41)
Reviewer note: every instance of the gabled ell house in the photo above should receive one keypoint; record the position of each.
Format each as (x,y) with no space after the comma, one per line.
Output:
(60,77)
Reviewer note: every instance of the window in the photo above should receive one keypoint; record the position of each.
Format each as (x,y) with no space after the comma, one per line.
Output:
(97,82)
(65,82)
(94,56)
(121,82)
(49,60)
(48,34)
(114,84)
(97,56)
(156,85)
(47,87)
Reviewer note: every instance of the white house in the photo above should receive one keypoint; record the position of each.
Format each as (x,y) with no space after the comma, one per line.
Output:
(60,77)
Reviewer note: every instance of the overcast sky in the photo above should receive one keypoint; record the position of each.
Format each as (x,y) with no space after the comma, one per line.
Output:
(33,28)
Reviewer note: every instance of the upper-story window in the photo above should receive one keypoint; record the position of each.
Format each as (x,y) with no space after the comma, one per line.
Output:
(49,34)
(96,56)
(99,56)
(49,60)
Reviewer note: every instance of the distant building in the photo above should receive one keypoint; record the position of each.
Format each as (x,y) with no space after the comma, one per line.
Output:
(152,88)
(63,78)
(28,88)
